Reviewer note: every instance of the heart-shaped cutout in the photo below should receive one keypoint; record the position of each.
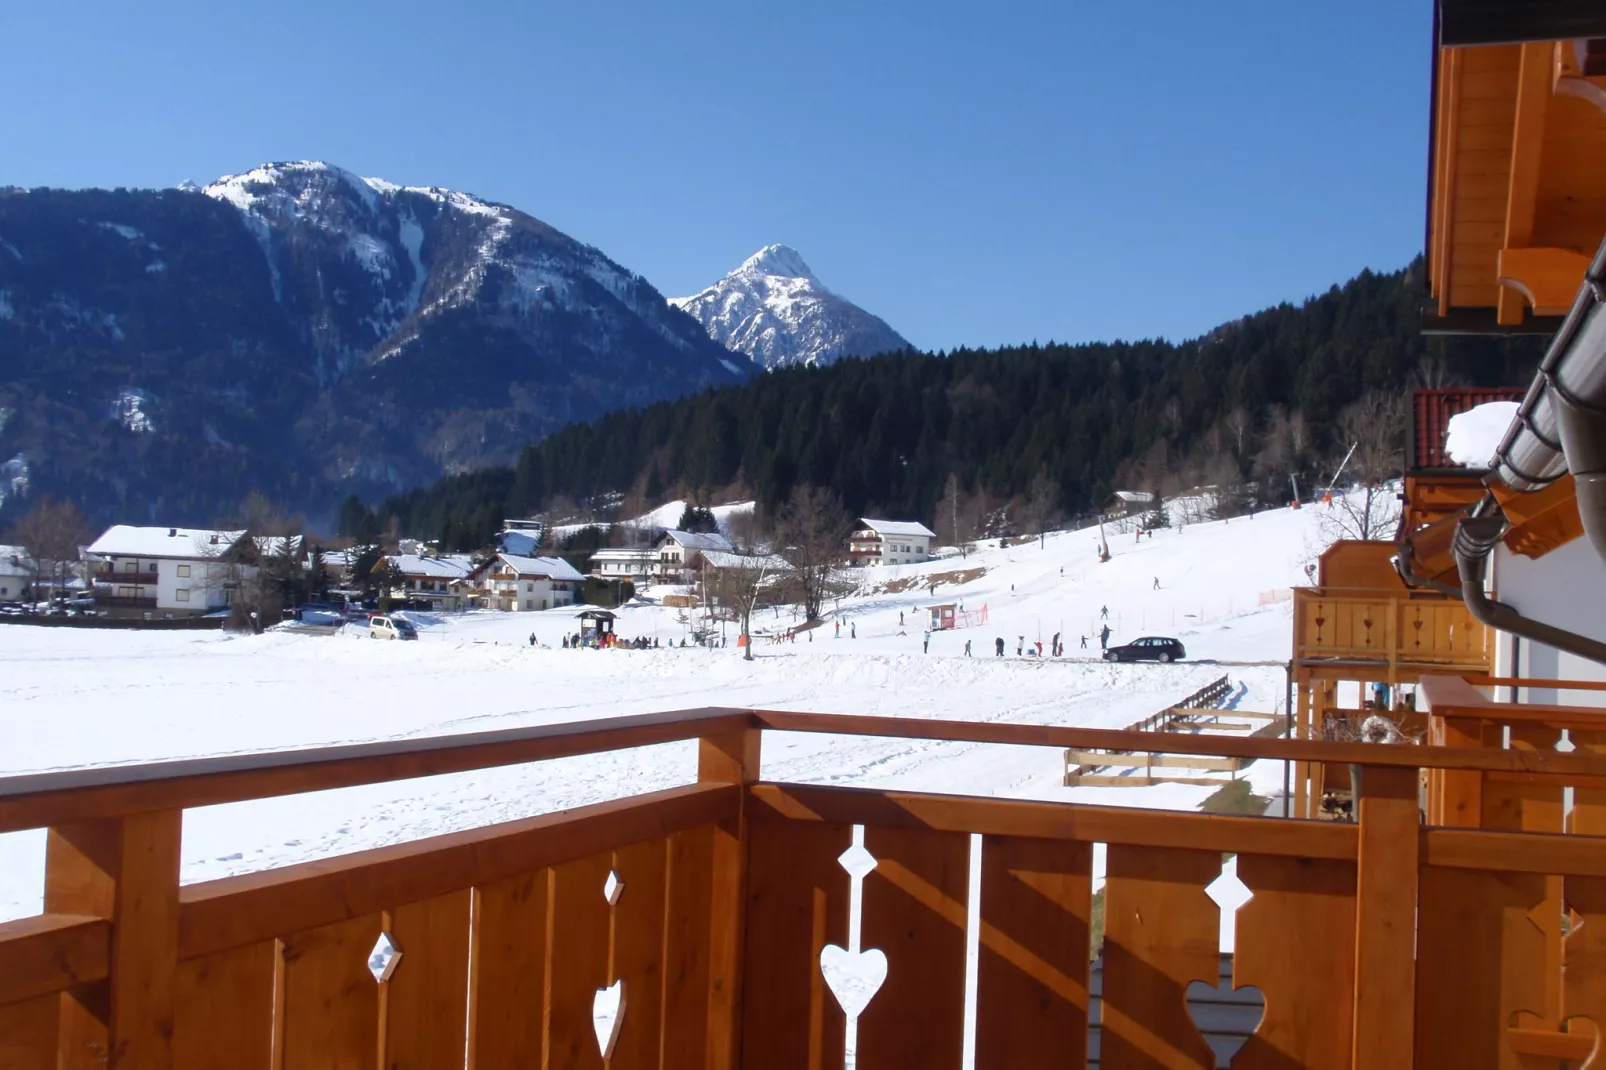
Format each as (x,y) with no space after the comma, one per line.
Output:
(608,1014)
(1231,1014)
(854,979)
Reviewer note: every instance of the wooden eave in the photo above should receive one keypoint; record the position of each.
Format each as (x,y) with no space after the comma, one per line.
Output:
(1541,520)
(1516,203)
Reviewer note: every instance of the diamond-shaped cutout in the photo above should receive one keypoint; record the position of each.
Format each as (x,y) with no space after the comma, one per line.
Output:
(1227,891)
(612,887)
(857,861)
(384,958)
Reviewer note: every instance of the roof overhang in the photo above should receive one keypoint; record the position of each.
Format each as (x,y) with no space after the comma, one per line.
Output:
(1496,22)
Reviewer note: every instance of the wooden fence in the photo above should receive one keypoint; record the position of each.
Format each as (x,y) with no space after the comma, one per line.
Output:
(1378,944)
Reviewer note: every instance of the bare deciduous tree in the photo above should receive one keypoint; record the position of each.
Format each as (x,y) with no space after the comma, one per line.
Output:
(1041,504)
(51,532)
(1371,432)
(811,526)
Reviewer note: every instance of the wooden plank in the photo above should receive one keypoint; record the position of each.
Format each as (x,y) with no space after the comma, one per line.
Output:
(427,1002)
(51,952)
(235,911)
(687,932)
(731,757)
(1309,904)
(1384,932)
(331,1001)
(797,903)
(126,870)
(223,1009)
(914,911)
(1480,960)
(1170,743)
(1584,951)
(1513,852)
(1060,821)
(43,799)
(1032,978)
(82,1037)
(638,952)
(1161,933)
(510,944)
(28,1033)
(578,963)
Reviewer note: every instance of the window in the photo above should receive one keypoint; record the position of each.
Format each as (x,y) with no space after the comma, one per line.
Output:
(529,588)
(184,571)
(529,603)
(184,594)
(130,566)
(152,567)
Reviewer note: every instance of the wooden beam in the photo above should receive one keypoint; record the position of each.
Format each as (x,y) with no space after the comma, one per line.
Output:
(1547,278)
(1385,917)
(235,911)
(51,953)
(1534,80)
(1446,224)
(728,759)
(1514,852)
(58,798)
(1060,821)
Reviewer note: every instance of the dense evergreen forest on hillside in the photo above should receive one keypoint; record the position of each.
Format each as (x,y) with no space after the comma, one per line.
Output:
(1261,397)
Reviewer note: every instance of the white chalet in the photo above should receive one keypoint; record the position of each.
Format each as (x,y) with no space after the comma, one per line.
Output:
(678,554)
(440,580)
(512,583)
(16,572)
(889,542)
(635,565)
(165,571)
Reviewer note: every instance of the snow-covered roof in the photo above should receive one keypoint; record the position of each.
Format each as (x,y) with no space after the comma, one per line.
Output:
(446,567)
(625,555)
(696,540)
(1141,497)
(14,561)
(1474,435)
(726,559)
(898,528)
(552,568)
(126,540)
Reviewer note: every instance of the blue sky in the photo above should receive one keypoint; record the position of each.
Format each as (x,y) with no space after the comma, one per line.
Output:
(976,174)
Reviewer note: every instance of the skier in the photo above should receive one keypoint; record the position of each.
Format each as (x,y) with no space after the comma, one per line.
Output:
(1084,642)
(565,642)
(853,630)
(1020,646)
(1055,646)
(967,648)
(925,645)
(1000,642)
(838,634)
(532,638)
(900,618)
(1039,648)
(1104,613)
(1157,583)
(1104,638)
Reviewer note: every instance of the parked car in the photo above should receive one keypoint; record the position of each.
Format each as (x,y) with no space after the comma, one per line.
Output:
(391,628)
(1149,648)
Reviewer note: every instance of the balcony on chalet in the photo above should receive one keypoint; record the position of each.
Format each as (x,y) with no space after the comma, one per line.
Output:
(701,924)
(112,578)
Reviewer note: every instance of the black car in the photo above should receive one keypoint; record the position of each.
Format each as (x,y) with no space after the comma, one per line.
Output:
(1149,648)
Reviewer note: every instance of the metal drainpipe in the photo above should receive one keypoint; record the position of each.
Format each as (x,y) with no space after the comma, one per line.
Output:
(1475,538)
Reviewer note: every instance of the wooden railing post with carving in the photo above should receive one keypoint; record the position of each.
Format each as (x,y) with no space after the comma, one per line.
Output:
(728,758)
(1385,917)
(126,871)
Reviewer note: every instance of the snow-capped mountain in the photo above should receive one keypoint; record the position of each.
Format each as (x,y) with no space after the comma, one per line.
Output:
(304,331)
(776,311)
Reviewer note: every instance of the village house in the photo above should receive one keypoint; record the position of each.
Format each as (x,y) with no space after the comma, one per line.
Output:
(511,583)
(889,542)
(678,554)
(1128,503)
(638,566)
(16,573)
(439,580)
(169,572)
(521,537)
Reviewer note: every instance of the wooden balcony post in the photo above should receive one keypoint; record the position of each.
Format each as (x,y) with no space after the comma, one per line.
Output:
(729,758)
(126,870)
(1385,917)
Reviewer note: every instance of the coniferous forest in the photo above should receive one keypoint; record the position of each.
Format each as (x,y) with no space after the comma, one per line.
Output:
(1260,398)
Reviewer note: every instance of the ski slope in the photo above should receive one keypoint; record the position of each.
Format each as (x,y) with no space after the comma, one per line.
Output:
(71,698)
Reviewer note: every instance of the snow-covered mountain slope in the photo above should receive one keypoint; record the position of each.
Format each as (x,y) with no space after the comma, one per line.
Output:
(306,332)
(776,311)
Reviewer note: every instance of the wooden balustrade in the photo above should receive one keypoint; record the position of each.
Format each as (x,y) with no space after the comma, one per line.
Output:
(1376,944)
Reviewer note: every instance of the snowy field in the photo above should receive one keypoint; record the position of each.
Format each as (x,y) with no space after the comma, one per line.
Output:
(71,698)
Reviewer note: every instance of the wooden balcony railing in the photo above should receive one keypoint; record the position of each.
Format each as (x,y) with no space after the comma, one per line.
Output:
(114,579)
(1374,944)
(1347,625)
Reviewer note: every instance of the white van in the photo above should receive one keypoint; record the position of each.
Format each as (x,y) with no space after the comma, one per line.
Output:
(391,628)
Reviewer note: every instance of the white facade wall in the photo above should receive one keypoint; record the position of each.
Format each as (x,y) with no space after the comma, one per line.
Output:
(528,595)
(183,585)
(1566,588)
(905,549)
